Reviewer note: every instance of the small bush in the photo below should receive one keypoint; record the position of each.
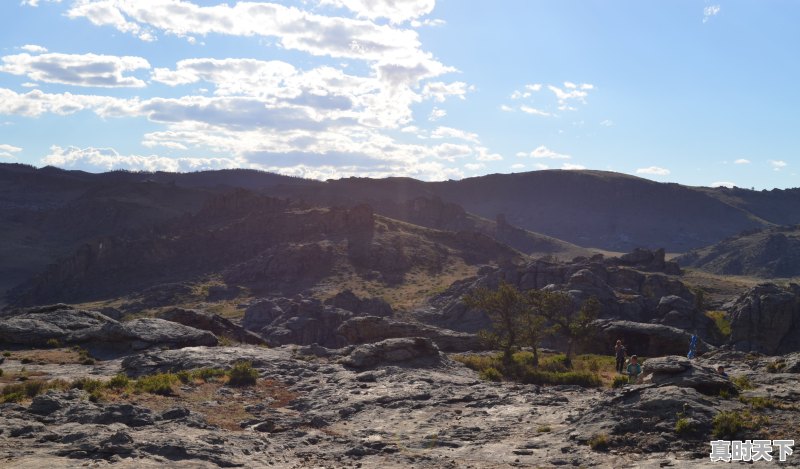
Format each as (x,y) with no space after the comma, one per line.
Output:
(491,374)
(684,426)
(26,361)
(119,381)
(619,381)
(6,354)
(580,378)
(18,391)
(758,403)
(53,343)
(242,374)
(87,384)
(721,321)
(183,376)
(599,442)
(208,374)
(742,382)
(776,366)
(724,393)
(12,397)
(544,429)
(556,363)
(160,383)
(730,424)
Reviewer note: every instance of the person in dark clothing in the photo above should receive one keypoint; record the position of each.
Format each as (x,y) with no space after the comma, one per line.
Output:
(620,353)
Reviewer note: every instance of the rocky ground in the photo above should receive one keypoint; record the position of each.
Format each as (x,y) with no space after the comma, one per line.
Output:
(396,403)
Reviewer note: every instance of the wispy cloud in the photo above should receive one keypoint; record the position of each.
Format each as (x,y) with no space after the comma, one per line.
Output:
(542,152)
(710,11)
(534,111)
(572,166)
(653,171)
(778,165)
(436,114)
(742,161)
(727,184)
(6,151)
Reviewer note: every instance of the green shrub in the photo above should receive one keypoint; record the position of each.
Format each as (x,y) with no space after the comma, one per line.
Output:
(544,429)
(53,343)
(721,321)
(491,374)
(119,381)
(684,426)
(580,378)
(742,382)
(26,361)
(160,383)
(242,374)
(724,393)
(18,391)
(6,354)
(183,376)
(776,366)
(12,397)
(556,363)
(599,442)
(730,424)
(619,381)
(87,384)
(208,374)
(758,403)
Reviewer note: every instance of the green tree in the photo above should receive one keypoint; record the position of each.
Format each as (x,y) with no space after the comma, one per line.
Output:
(533,322)
(568,321)
(505,307)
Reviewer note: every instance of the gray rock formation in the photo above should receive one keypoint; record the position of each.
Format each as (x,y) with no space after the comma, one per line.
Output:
(766,319)
(348,300)
(67,325)
(393,351)
(682,372)
(650,340)
(214,323)
(366,329)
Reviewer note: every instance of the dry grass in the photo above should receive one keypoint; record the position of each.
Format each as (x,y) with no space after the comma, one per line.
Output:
(57,356)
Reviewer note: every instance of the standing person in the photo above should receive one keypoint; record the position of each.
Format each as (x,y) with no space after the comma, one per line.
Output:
(634,369)
(692,347)
(620,353)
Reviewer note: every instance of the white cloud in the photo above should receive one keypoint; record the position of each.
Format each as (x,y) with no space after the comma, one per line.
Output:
(576,93)
(777,165)
(517,166)
(106,159)
(436,114)
(543,152)
(449,132)
(396,11)
(440,91)
(35,3)
(653,171)
(572,166)
(727,184)
(534,111)
(607,123)
(474,166)
(7,151)
(710,11)
(33,48)
(742,161)
(506,108)
(74,69)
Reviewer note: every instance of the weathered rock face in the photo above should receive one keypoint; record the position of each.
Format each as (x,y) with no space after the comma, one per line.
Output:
(348,300)
(70,326)
(393,351)
(682,372)
(629,288)
(306,321)
(645,339)
(766,319)
(213,323)
(366,329)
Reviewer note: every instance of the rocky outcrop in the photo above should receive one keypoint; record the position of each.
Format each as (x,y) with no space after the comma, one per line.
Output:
(348,300)
(366,329)
(766,319)
(393,351)
(305,321)
(67,325)
(630,288)
(679,371)
(650,340)
(214,323)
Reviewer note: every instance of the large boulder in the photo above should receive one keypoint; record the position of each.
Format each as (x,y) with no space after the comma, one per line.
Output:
(366,329)
(645,339)
(393,351)
(299,320)
(36,326)
(213,323)
(348,300)
(680,371)
(766,319)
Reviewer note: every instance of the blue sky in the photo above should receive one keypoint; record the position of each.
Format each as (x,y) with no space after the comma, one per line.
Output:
(689,91)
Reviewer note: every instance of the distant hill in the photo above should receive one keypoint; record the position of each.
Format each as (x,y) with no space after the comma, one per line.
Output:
(267,245)
(768,253)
